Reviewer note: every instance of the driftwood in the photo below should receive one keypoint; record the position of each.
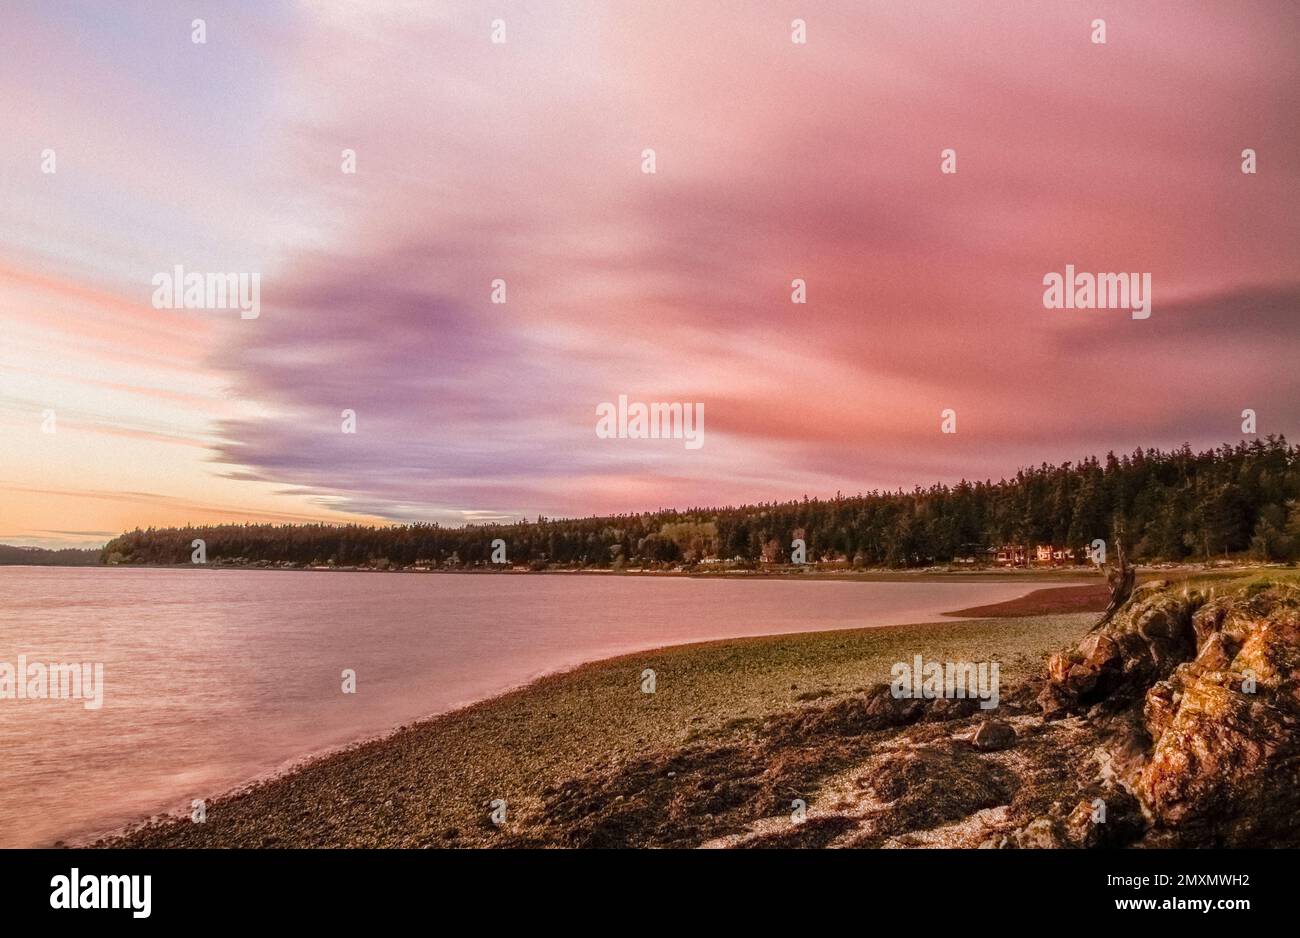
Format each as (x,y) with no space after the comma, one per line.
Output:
(1120,577)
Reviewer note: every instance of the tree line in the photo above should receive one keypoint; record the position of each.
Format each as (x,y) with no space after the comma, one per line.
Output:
(1239,501)
(40,556)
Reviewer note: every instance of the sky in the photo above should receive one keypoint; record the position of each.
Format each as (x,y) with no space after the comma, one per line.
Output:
(524,161)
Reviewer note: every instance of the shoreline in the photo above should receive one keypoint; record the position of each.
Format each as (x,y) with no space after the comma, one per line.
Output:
(775,573)
(295,757)
(561,725)
(1035,605)
(1057,600)
(811,572)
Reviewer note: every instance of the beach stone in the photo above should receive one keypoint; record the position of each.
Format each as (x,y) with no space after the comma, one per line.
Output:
(994,735)
(1098,651)
(1058,666)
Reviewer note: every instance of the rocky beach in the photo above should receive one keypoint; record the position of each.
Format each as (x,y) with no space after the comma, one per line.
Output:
(1134,734)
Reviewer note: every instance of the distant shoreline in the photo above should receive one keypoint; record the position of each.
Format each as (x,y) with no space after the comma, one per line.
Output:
(774,572)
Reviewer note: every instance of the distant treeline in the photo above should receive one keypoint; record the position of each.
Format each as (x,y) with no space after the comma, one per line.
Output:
(1236,501)
(39,556)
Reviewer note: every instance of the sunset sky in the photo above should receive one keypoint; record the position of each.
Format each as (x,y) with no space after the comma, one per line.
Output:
(523,161)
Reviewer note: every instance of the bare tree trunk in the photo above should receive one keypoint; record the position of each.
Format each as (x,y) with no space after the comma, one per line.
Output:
(1120,577)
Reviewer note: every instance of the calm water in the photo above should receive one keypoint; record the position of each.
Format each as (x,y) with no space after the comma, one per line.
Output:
(213,678)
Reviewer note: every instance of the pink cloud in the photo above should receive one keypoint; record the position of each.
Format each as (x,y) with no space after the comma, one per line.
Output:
(775,161)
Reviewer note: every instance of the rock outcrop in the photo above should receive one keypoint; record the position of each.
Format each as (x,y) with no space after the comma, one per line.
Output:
(1225,760)
(1150,636)
(1195,701)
